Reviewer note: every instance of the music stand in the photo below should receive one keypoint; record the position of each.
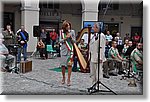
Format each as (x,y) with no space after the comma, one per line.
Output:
(94,89)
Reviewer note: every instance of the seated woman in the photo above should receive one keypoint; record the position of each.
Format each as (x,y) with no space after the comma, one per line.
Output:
(41,48)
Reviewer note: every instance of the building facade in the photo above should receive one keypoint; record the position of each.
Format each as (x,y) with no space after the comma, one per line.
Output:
(117,16)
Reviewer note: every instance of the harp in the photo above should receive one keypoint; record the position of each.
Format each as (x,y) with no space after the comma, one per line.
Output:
(84,64)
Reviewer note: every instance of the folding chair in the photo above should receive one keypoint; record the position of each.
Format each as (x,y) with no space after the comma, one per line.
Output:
(50,50)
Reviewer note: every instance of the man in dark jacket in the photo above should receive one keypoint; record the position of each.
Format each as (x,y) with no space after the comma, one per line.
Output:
(23,38)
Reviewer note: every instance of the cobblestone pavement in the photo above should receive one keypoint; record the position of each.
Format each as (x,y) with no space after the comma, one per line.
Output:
(41,80)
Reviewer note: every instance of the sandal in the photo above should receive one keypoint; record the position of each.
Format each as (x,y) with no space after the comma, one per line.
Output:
(68,83)
(63,81)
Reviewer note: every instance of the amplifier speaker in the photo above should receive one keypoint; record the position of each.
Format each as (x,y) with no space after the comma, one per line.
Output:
(36,31)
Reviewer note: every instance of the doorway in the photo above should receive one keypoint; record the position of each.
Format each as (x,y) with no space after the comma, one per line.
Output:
(112,27)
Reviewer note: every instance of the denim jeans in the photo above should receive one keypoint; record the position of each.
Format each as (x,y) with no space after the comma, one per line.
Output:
(24,51)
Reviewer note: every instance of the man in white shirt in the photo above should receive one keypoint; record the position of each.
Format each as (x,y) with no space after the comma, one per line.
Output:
(93,50)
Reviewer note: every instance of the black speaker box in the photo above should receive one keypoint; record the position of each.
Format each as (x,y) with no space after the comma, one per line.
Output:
(36,31)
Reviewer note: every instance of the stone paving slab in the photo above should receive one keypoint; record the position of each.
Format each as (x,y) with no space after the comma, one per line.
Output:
(44,81)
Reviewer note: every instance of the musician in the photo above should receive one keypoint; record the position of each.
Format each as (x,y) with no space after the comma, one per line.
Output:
(9,37)
(137,57)
(93,50)
(114,54)
(66,36)
(22,38)
(126,46)
(107,47)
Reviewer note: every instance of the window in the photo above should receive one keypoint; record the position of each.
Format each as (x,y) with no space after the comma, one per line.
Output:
(56,6)
(44,5)
(110,7)
(115,6)
(49,5)
(8,18)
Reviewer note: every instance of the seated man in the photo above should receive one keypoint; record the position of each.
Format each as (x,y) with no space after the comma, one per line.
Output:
(125,47)
(4,55)
(137,58)
(107,47)
(113,54)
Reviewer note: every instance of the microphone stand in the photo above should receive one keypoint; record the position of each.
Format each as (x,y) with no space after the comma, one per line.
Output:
(95,88)
(15,69)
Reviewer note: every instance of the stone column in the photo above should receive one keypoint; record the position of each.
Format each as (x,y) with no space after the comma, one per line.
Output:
(89,10)
(89,13)
(1,8)
(29,18)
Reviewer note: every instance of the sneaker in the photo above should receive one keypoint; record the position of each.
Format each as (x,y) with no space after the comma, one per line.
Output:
(113,74)
(119,72)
